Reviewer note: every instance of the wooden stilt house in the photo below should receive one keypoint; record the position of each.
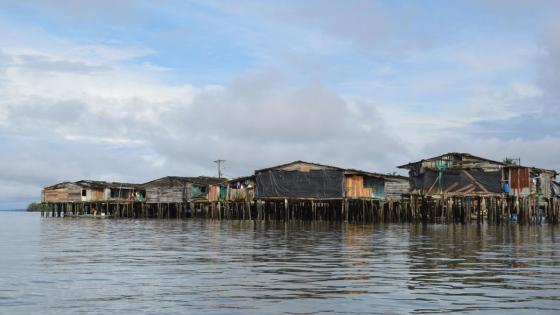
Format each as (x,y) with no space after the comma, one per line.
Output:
(90,191)
(455,174)
(240,189)
(97,191)
(62,192)
(463,174)
(304,180)
(176,189)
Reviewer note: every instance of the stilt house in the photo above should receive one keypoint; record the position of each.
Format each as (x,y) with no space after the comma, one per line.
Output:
(457,174)
(62,192)
(525,181)
(304,180)
(90,191)
(240,189)
(175,189)
(463,174)
(93,191)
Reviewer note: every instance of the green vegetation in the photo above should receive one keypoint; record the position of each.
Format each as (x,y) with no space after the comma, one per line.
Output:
(35,207)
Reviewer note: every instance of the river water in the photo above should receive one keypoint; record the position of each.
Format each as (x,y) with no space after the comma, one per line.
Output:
(110,266)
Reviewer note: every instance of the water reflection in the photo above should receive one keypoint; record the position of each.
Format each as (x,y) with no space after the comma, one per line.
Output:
(243,267)
(485,268)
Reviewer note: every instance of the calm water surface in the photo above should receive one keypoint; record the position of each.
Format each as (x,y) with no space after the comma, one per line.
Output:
(88,266)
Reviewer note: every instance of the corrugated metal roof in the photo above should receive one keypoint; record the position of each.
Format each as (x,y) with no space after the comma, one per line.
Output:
(460,154)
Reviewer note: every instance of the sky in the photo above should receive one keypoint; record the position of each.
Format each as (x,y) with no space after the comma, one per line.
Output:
(137,90)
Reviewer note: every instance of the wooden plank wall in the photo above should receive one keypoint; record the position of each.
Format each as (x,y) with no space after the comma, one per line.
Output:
(354,187)
(213,193)
(519,181)
(395,189)
(241,194)
(62,195)
(167,194)
(97,195)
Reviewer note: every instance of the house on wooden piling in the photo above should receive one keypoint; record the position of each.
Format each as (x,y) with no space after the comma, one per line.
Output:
(240,189)
(62,192)
(455,174)
(208,189)
(169,189)
(525,181)
(102,191)
(396,187)
(176,189)
(367,185)
(121,192)
(463,174)
(90,191)
(300,180)
(304,180)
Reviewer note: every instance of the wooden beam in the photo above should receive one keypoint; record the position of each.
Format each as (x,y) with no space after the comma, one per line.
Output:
(475,181)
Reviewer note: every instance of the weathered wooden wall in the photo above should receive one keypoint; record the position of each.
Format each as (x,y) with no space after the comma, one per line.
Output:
(460,160)
(395,189)
(213,193)
(62,194)
(519,181)
(354,187)
(165,191)
(94,194)
(241,194)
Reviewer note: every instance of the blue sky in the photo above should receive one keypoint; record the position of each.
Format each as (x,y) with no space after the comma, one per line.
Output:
(136,90)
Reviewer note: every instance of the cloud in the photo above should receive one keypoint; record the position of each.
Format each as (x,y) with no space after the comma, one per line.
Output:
(80,12)
(119,123)
(526,124)
(263,119)
(371,85)
(366,24)
(536,114)
(47,64)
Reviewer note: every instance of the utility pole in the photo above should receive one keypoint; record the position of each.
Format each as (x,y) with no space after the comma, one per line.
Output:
(219,163)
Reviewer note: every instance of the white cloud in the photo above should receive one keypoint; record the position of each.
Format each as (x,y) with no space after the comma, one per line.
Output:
(121,122)
(347,86)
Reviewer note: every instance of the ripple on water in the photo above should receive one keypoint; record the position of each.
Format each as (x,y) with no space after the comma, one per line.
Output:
(70,266)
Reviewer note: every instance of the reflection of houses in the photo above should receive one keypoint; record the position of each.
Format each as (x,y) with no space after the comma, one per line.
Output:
(240,189)
(175,189)
(304,180)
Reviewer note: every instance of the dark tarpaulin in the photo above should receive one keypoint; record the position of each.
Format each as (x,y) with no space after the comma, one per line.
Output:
(556,189)
(320,184)
(457,181)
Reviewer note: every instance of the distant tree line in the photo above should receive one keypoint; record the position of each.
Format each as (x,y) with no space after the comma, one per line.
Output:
(32,207)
